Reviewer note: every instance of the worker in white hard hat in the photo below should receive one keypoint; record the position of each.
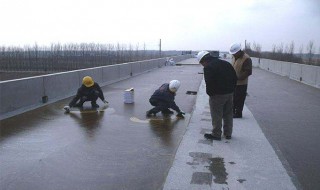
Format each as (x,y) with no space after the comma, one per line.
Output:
(163,100)
(242,64)
(89,91)
(220,79)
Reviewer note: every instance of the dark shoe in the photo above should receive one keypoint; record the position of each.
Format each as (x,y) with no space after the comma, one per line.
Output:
(228,137)
(94,105)
(237,116)
(149,114)
(211,137)
(167,111)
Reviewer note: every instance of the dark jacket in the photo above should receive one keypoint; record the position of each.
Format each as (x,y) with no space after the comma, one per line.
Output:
(88,92)
(163,94)
(220,77)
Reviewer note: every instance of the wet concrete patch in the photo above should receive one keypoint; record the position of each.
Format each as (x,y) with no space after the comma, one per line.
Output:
(49,150)
(199,158)
(201,178)
(218,170)
(214,165)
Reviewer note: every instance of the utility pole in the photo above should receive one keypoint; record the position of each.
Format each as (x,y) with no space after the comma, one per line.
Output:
(245,44)
(160,48)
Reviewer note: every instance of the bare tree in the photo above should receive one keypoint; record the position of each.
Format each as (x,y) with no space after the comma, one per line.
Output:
(274,47)
(310,50)
(257,49)
(63,57)
(289,51)
(291,48)
(301,49)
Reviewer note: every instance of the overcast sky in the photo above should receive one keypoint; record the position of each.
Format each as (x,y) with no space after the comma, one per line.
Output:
(181,24)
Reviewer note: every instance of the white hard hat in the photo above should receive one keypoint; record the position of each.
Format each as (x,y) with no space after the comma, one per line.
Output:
(174,85)
(234,48)
(201,54)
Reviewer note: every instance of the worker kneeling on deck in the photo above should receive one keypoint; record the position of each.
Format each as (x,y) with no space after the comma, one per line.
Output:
(89,91)
(163,99)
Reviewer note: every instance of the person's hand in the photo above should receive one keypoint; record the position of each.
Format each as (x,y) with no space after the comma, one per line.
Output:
(180,114)
(106,104)
(67,109)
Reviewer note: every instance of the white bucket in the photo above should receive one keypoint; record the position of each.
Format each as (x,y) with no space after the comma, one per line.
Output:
(128,96)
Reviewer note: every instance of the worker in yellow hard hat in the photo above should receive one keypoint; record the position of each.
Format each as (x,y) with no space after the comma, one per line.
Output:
(89,91)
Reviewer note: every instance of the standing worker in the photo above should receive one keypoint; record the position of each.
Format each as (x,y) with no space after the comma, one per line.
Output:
(242,64)
(221,80)
(89,91)
(163,99)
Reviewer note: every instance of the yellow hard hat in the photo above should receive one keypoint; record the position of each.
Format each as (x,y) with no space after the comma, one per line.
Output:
(87,81)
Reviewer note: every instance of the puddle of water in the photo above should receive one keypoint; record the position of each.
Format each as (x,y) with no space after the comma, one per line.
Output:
(218,170)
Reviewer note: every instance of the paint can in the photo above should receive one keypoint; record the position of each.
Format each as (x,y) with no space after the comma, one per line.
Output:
(128,96)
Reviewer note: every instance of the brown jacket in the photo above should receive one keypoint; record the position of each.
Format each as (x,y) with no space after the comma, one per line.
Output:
(243,68)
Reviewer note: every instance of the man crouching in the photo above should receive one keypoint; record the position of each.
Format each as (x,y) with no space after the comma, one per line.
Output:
(163,99)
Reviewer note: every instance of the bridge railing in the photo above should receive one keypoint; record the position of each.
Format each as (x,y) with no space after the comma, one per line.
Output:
(307,74)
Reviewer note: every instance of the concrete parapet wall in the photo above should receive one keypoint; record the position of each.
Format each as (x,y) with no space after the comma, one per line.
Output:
(285,69)
(68,80)
(307,74)
(295,71)
(255,62)
(20,95)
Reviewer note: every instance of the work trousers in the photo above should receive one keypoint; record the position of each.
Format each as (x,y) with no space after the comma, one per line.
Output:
(239,97)
(91,97)
(158,106)
(221,109)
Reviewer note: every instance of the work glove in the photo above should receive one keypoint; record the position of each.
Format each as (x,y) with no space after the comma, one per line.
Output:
(106,104)
(180,114)
(67,109)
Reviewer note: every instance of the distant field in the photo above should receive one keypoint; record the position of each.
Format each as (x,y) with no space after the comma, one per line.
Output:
(17,75)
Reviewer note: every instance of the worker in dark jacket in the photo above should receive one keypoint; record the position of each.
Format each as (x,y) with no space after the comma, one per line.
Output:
(163,99)
(220,79)
(89,91)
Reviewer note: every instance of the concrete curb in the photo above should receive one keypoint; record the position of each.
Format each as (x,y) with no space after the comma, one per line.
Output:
(247,161)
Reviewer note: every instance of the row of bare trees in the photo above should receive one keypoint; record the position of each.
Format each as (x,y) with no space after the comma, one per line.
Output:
(65,57)
(287,52)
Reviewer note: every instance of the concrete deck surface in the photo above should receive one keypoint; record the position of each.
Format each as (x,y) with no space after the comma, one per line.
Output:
(116,149)
(247,161)
(122,149)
